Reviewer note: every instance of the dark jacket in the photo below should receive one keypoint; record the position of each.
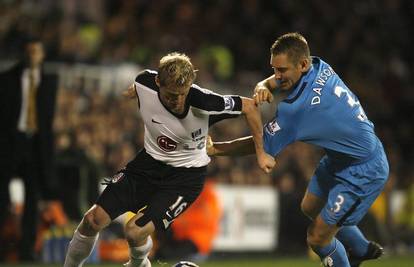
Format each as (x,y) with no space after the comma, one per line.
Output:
(10,105)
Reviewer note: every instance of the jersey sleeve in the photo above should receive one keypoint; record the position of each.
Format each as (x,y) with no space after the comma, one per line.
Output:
(277,135)
(214,104)
(146,78)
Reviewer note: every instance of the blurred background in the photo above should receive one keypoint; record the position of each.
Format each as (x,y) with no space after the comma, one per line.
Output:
(96,47)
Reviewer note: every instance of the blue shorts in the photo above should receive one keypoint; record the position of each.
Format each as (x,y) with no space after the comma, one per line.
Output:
(349,191)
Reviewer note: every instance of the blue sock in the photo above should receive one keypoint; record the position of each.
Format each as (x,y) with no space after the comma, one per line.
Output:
(353,239)
(333,255)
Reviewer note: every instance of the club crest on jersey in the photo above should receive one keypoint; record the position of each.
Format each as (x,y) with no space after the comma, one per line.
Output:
(117,177)
(166,144)
(228,103)
(272,127)
(196,133)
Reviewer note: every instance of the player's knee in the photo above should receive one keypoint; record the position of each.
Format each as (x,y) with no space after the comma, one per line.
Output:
(91,224)
(316,238)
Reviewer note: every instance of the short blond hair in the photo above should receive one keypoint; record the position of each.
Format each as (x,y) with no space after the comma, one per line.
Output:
(176,69)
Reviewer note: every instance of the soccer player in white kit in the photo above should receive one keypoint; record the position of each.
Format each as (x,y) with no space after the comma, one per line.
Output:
(167,175)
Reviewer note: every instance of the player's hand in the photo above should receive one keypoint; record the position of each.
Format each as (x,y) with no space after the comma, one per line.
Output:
(210,146)
(262,94)
(266,162)
(130,92)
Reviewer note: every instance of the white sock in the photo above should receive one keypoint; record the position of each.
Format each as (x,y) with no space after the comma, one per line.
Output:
(139,255)
(80,247)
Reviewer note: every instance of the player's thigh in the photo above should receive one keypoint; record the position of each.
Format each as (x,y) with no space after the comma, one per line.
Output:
(322,180)
(356,188)
(347,206)
(318,190)
(168,203)
(119,195)
(312,205)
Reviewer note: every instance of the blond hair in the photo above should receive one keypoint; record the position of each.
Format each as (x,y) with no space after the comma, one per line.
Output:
(176,69)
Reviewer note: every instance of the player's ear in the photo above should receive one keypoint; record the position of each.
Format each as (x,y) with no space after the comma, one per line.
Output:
(157,80)
(304,64)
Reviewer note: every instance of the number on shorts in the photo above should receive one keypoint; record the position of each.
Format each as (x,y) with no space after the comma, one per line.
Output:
(176,209)
(178,206)
(338,204)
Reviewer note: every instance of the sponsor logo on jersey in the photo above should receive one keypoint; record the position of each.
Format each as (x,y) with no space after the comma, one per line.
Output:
(166,144)
(272,127)
(228,103)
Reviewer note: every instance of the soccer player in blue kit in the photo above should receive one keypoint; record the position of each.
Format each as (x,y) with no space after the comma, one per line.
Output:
(321,110)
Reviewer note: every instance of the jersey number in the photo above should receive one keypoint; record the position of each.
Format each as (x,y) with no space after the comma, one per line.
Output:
(351,101)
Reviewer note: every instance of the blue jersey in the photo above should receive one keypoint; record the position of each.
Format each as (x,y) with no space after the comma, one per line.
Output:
(321,110)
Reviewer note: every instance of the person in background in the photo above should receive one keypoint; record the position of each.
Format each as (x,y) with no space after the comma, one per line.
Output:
(27,106)
(319,109)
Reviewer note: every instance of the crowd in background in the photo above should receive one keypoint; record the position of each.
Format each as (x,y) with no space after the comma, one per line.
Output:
(367,42)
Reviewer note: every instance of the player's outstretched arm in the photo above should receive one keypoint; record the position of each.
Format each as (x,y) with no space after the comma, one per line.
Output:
(263,90)
(130,93)
(237,147)
(254,120)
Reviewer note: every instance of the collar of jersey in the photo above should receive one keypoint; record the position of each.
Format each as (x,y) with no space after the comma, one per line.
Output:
(180,116)
(306,78)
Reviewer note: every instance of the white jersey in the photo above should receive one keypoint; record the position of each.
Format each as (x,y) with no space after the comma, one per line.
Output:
(180,140)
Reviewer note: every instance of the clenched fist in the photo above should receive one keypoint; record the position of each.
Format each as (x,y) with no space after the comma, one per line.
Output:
(210,146)
(266,162)
(130,92)
(262,94)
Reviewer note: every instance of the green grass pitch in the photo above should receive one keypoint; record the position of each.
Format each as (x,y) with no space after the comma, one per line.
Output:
(406,261)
